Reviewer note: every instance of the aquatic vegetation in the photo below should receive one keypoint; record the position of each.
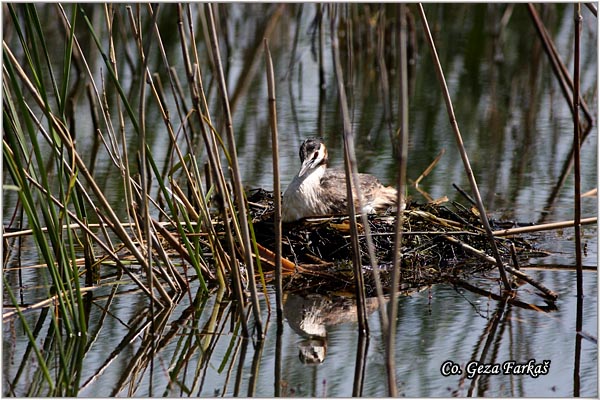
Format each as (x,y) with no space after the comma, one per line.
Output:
(122,127)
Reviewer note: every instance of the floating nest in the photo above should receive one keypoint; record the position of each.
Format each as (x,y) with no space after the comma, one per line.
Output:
(318,251)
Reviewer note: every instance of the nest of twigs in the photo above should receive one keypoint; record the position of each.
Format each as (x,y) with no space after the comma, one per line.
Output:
(320,249)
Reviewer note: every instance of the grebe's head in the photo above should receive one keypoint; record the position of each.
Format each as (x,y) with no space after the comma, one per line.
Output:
(313,154)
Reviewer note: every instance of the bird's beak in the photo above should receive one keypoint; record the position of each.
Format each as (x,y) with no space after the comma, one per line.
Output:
(306,165)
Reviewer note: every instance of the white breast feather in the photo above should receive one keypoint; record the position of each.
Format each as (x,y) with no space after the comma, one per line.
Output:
(301,198)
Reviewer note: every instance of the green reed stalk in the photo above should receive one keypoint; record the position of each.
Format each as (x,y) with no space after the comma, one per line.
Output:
(136,126)
(42,366)
(23,153)
(110,216)
(65,102)
(109,251)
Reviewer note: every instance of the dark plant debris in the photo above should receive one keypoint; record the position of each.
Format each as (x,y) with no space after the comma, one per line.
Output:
(321,248)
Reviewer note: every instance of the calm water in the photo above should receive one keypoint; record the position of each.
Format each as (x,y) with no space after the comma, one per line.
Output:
(517,129)
(434,326)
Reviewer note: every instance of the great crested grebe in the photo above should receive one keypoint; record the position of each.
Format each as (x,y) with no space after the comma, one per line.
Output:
(317,190)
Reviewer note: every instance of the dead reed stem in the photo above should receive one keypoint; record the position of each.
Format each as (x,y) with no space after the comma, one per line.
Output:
(360,367)
(143,169)
(461,148)
(558,66)
(352,181)
(349,57)
(276,183)
(201,109)
(482,255)
(236,177)
(383,71)
(567,86)
(202,112)
(43,303)
(321,47)
(401,151)
(180,105)
(544,227)
(123,155)
(577,152)
(592,8)
(25,232)
(351,176)
(577,201)
(512,300)
(430,168)
(252,64)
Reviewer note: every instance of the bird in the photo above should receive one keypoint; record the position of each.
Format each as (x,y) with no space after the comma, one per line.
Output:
(318,190)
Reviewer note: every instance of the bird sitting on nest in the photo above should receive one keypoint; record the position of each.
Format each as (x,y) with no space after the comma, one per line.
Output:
(317,190)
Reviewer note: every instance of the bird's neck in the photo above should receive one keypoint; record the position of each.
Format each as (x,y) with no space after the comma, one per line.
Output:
(308,183)
(314,175)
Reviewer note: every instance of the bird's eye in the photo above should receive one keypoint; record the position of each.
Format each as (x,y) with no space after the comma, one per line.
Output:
(315,155)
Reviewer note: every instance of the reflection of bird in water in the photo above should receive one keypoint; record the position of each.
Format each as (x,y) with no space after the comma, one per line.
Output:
(317,190)
(309,315)
(312,351)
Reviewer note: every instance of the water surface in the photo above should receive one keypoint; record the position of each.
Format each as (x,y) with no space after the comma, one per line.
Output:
(517,129)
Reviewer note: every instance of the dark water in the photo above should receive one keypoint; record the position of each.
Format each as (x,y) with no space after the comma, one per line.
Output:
(517,130)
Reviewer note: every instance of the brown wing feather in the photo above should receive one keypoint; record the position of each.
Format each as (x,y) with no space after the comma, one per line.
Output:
(333,184)
(373,192)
